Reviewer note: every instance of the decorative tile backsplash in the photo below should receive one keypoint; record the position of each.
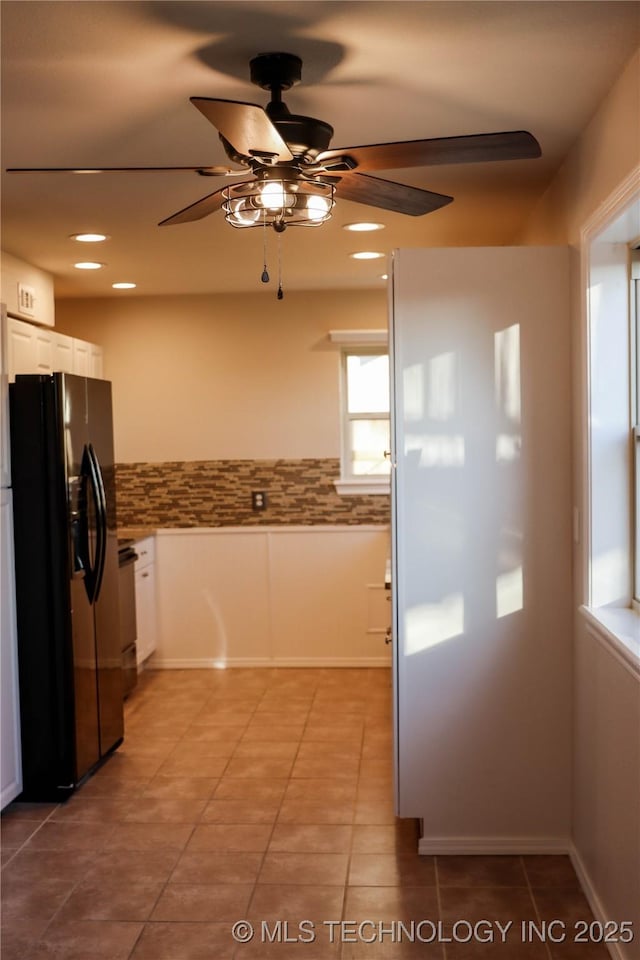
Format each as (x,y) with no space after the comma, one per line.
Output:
(214,493)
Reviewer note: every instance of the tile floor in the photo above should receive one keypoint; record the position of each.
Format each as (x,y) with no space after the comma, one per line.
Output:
(262,795)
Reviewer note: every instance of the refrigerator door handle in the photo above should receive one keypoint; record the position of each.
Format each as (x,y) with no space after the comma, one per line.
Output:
(100,501)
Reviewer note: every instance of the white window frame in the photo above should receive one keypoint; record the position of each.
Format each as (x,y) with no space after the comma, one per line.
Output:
(634,315)
(358,343)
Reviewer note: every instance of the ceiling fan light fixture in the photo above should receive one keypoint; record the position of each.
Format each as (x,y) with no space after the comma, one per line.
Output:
(278,202)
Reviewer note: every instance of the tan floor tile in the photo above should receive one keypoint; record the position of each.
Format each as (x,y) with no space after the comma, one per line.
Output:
(469,871)
(322,767)
(87,940)
(181,766)
(375,812)
(154,810)
(479,903)
(180,788)
(31,865)
(211,732)
(338,733)
(550,871)
(146,866)
(101,785)
(392,903)
(204,902)
(19,810)
(258,767)
(29,900)
(268,730)
(376,869)
(294,902)
(311,838)
(72,836)
(17,937)
(565,903)
(226,837)
(321,789)
(241,811)
(295,810)
(213,867)
(202,749)
(273,749)
(150,836)
(16,832)
(185,941)
(400,837)
(258,788)
(304,868)
(126,765)
(114,898)
(81,808)
(339,753)
(375,788)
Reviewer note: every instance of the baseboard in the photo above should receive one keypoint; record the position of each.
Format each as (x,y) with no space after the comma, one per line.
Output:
(159,663)
(597,908)
(489,846)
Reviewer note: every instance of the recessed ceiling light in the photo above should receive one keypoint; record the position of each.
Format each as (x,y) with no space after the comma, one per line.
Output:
(367,255)
(363,226)
(123,285)
(384,276)
(89,237)
(88,265)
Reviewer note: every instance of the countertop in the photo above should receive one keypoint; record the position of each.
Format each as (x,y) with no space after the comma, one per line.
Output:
(135,533)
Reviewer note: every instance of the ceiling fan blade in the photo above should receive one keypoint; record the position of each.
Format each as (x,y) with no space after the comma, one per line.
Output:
(196,211)
(389,195)
(203,171)
(476,148)
(246,127)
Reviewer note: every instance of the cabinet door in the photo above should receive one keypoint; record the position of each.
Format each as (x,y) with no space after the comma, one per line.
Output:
(95,361)
(146,616)
(21,348)
(10,760)
(62,353)
(81,358)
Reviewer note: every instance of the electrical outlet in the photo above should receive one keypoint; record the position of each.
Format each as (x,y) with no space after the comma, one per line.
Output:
(258,500)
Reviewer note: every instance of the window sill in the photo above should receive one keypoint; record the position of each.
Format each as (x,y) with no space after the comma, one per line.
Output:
(618,628)
(351,487)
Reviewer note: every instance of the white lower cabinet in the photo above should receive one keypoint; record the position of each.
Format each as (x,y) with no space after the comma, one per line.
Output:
(146,611)
(10,760)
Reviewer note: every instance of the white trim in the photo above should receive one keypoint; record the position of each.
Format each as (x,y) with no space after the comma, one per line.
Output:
(490,846)
(281,529)
(368,485)
(161,663)
(597,908)
(605,224)
(356,338)
(617,629)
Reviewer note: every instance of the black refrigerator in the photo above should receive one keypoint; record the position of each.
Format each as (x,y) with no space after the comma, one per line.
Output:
(66,558)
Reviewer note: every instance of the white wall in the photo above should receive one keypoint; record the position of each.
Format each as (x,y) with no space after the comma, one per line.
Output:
(606,761)
(223,377)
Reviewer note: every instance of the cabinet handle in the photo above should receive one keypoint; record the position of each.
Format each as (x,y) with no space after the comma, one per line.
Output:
(145,574)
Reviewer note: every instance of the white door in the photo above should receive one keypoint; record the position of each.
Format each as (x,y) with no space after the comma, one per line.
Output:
(481,544)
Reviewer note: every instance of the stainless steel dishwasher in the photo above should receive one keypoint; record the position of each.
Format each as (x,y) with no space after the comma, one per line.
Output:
(127,557)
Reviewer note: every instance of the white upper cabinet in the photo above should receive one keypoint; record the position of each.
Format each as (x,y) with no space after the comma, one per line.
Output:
(32,349)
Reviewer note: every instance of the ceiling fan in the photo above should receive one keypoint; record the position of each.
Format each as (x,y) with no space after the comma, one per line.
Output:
(294,175)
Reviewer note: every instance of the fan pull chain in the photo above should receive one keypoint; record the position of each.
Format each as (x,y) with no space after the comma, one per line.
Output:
(265,273)
(280,293)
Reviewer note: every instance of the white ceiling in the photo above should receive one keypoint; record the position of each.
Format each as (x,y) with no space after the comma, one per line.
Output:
(108,83)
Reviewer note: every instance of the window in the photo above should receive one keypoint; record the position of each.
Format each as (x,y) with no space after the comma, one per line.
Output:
(365,421)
